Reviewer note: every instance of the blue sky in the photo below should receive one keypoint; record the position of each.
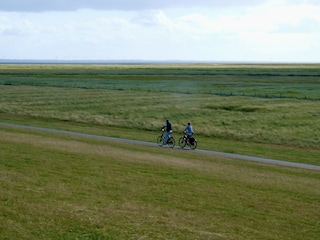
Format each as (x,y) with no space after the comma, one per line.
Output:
(201,30)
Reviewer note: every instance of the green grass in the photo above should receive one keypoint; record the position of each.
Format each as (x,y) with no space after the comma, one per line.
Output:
(61,187)
(265,81)
(56,186)
(134,101)
(276,121)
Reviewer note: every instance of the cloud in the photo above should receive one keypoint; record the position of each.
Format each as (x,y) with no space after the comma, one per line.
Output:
(125,5)
(283,30)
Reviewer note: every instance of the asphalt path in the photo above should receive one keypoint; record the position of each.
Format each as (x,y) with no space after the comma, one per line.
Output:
(222,154)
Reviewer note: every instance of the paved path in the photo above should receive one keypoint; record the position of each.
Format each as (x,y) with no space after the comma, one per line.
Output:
(223,154)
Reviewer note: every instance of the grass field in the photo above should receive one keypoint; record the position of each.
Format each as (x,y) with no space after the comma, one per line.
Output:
(265,81)
(64,187)
(275,105)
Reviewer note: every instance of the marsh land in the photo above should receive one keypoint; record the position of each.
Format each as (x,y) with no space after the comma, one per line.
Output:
(66,187)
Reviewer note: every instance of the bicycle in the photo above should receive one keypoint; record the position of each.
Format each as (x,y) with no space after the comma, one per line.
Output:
(171,141)
(190,141)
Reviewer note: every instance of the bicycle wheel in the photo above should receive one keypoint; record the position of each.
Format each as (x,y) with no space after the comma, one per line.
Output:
(160,140)
(171,142)
(182,142)
(194,145)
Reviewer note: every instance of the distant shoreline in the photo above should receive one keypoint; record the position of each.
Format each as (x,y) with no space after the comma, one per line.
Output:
(140,62)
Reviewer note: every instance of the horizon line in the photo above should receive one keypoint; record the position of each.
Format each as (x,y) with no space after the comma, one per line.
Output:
(140,61)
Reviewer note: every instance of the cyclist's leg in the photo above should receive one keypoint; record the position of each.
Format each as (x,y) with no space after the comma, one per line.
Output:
(166,138)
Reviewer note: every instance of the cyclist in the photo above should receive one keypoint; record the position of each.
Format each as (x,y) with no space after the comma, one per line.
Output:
(190,132)
(167,125)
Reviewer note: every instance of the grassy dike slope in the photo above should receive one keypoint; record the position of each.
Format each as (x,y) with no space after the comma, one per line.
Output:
(64,187)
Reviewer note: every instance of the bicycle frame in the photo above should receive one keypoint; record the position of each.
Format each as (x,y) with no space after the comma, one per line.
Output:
(185,140)
(170,140)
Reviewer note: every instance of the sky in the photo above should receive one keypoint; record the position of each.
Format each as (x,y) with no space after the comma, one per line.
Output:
(161,30)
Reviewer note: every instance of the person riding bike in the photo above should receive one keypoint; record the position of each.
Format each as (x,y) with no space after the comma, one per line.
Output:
(168,128)
(190,132)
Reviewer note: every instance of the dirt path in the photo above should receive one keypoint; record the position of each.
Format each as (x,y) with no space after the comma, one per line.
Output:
(229,155)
